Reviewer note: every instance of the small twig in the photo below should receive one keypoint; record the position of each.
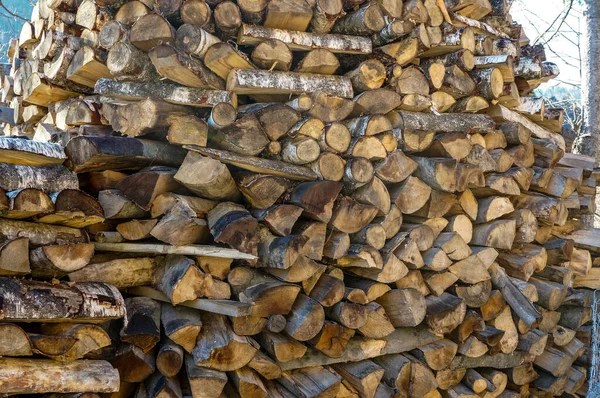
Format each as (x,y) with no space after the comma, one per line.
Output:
(10,12)
(566,14)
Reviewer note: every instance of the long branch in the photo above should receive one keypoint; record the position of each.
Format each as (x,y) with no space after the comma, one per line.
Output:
(10,12)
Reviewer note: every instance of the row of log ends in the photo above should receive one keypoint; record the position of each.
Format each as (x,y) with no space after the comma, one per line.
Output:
(276,198)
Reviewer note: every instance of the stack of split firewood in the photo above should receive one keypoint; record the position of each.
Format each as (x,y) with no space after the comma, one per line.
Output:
(289,198)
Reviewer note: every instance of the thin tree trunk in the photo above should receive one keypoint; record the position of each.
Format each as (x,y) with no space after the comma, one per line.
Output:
(588,141)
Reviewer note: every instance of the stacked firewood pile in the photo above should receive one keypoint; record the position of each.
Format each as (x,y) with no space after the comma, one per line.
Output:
(309,198)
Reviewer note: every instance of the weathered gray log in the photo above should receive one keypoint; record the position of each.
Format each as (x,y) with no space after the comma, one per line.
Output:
(53,178)
(31,301)
(120,153)
(32,153)
(256,81)
(7,115)
(168,92)
(41,234)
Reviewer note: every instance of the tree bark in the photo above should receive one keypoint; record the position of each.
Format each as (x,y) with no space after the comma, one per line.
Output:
(27,376)
(588,141)
(28,301)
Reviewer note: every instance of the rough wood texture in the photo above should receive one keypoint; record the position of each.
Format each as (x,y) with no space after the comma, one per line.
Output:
(388,211)
(25,376)
(42,302)
(301,41)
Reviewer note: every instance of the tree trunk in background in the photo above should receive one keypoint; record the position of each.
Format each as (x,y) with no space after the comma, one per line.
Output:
(588,142)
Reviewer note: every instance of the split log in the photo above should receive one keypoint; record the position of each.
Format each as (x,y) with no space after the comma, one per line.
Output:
(49,262)
(217,184)
(258,165)
(502,114)
(181,325)
(517,301)
(445,313)
(119,272)
(407,299)
(227,17)
(13,257)
(180,68)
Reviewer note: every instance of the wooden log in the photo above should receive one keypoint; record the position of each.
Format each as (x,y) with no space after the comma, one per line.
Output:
(181,325)
(249,81)
(24,152)
(47,376)
(13,257)
(169,358)
(180,68)
(126,61)
(302,41)
(517,301)
(221,58)
(333,339)
(144,186)
(281,347)
(117,206)
(220,348)
(141,325)
(41,234)
(363,22)
(52,178)
(100,153)
(22,307)
(437,355)
(258,165)
(227,16)
(245,136)
(254,187)
(503,114)
(406,298)
(49,262)
(133,364)
(401,340)
(73,208)
(87,66)
(233,225)
(445,313)
(265,366)
(311,381)
(364,376)
(168,92)
(272,53)
(217,184)
(282,14)
(179,279)
(267,295)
